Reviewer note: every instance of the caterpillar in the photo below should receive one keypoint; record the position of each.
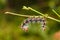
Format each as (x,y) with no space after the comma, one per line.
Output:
(38,19)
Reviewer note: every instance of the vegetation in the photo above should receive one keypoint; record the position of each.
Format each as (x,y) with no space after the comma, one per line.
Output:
(14,12)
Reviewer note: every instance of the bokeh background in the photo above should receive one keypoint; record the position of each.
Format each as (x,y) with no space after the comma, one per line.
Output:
(10,24)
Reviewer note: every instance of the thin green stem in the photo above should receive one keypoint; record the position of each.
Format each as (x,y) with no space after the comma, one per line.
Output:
(53,19)
(41,13)
(55,12)
(29,8)
(19,14)
(30,16)
(36,11)
(44,15)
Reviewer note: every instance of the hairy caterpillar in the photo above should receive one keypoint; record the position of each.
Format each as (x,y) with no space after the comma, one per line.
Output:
(38,19)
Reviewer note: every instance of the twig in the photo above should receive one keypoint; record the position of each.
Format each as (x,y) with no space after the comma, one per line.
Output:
(55,12)
(29,8)
(19,14)
(30,16)
(53,19)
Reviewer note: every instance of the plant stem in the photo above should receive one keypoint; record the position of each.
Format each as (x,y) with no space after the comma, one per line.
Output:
(19,14)
(43,14)
(35,11)
(33,16)
(55,12)
(30,16)
(53,19)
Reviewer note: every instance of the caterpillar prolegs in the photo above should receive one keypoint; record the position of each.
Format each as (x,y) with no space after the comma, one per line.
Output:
(38,19)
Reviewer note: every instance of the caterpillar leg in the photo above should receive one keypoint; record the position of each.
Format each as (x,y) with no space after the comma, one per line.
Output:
(44,28)
(25,28)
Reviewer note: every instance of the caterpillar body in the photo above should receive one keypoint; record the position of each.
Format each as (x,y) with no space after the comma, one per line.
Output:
(38,19)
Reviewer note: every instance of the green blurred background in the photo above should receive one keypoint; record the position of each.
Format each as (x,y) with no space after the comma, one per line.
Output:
(10,24)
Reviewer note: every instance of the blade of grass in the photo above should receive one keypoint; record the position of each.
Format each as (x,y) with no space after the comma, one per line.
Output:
(55,12)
